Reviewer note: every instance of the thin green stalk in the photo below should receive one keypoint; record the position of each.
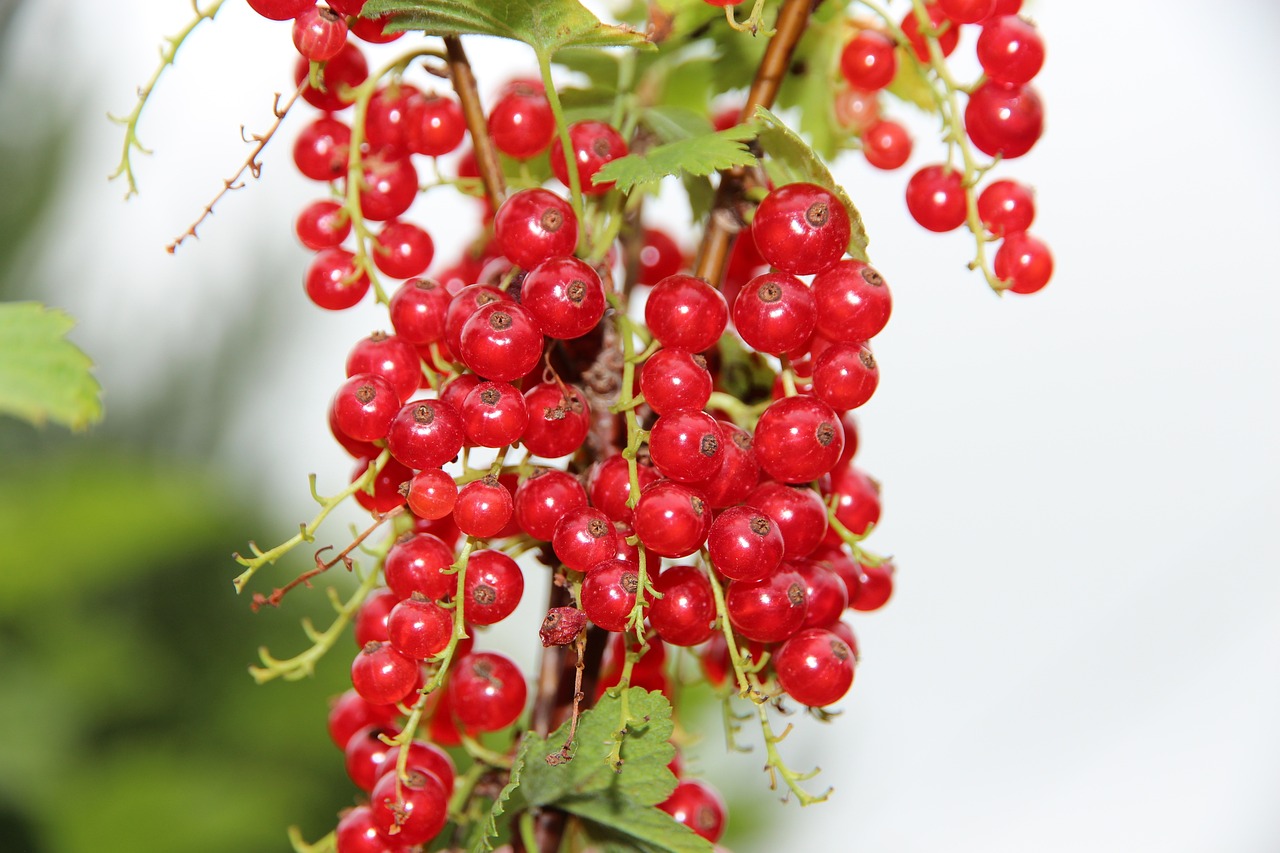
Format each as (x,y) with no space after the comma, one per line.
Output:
(562,130)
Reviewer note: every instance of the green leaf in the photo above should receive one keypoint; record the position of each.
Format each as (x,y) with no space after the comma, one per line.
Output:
(672,124)
(644,828)
(791,160)
(698,155)
(810,83)
(43,376)
(701,195)
(490,831)
(546,25)
(911,85)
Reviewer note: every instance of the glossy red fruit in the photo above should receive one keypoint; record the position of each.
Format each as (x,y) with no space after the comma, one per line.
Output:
(947,39)
(672,520)
(967,11)
(350,712)
(418,628)
(594,144)
(1004,120)
(858,501)
(685,446)
(365,754)
(533,226)
(768,611)
(1006,207)
(321,150)
(429,757)
(660,256)
(414,565)
(386,485)
(381,675)
(545,497)
(374,30)
(686,313)
(610,485)
(798,439)
(426,434)
(494,414)
(686,613)
(875,587)
(935,198)
(868,61)
(1025,262)
(494,587)
(774,313)
(558,420)
(825,593)
(799,513)
(815,667)
(501,341)
(387,356)
(357,833)
(1010,50)
(521,123)
(852,302)
(388,119)
(745,544)
(332,281)
(465,303)
(886,144)
(418,311)
(856,109)
(431,494)
(322,225)
(845,376)
(609,593)
(280,10)
(319,33)
(363,407)
(435,125)
(410,810)
(341,74)
(483,508)
(402,249)
(739,472)
(674,380)
(583,538)
(486,691)
(698,806)
(801,228)
(389,187)
(371,618)
(565,296)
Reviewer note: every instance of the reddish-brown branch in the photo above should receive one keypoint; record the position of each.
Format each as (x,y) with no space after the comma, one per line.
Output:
(464,84)
(725,222)
(252,165)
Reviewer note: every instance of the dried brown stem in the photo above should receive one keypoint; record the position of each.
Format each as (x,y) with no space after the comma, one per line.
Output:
(464,84)
(252,165)
(724,224)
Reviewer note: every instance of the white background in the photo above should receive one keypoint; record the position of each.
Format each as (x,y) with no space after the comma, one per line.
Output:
(1083,652)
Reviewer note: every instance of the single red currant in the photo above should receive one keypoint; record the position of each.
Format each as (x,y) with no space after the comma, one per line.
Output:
(414,565)
(815,667)
(386,484)
(1010,50)
(698,806)
(320,152)
(389,187)
(583,538)
(739,472)
(338,77)
(501,341)
(685,446)
(436,125)
(402,249)
(799,513)
(801,228)
(521,123)
(768,611)
(418,311)
(1024,262)
(466,302)
(486,691)
(886,145)
(319,33)
(494,414)
(852,302)
(672,520)
(388,356)
(825,592)
(935,198)
(774,313)
(349,713)
(875,586)
(544,498)
(426,434)
(1006,207)
(686,613)
(494,587)
(610,484)
(565,296)
(868,61)
(798,439)
(322,225)
(558,420)
(660,256)
(845,376)
(594,144)
(744,544)
(409,810)
(967,11)
(1004,120)
(332,281)
(388,121)
(533,226)
(483,508)
(686,313)
(432,494)
(674,380)
(418,628)
(381,675)
(609,593)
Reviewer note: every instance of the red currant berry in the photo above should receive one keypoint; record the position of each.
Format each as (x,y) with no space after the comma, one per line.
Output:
(1024,262)
(381,675)
(594,144)
(386,485)
(371,618)
(280,10)
(428,757)
(610,484)
(609,594)
(425,434)
(825,592)
(674,380)
(583,538)
(744,544)
(558,420)
(1006,207)
(565,296)
(935,197)
(436,125)
(739,472)
(798,439)
(339,76)
(418,628)
(501,341)
(494,414)
(774,313)
(767,611)
(672,520)
(431,494)
(466,302)
(364,406)
(410,810)
(365,754)
(494,586)
(544,498)
(801,228)
(686,313)
(886,144)
(845,376)
(856,109)
(415,565)
(815,667)
(521,123)
(685,446)
(698,806)
(852,302)
(967,11)
(349,713)
(799,513)
(389,187)
(374,30)
(418,311)
(319,33)
(402,249)
(388,121)
(483,508)
(349,8)
(533,226)
(322,225)
(332,281)
(1004,120)
(686,613)
(857,501)
(875,586)
(1010,50)
(660,256)
(868,61)
(388,356)
(320,152)
(486,691)
(357,833)
(947,39)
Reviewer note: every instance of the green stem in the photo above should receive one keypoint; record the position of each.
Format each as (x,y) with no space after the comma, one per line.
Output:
(566,145)
(739,669)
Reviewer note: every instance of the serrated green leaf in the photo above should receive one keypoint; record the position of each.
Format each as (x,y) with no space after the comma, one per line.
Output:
(628,826)
(43,376)
(701,195)
(911,85)
(672,124)
(791,160)
(698,155)
(545,25)
(484,841)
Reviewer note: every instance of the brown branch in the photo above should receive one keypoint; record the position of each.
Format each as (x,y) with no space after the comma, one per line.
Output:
(252,165)
(464,84)
(725,223)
